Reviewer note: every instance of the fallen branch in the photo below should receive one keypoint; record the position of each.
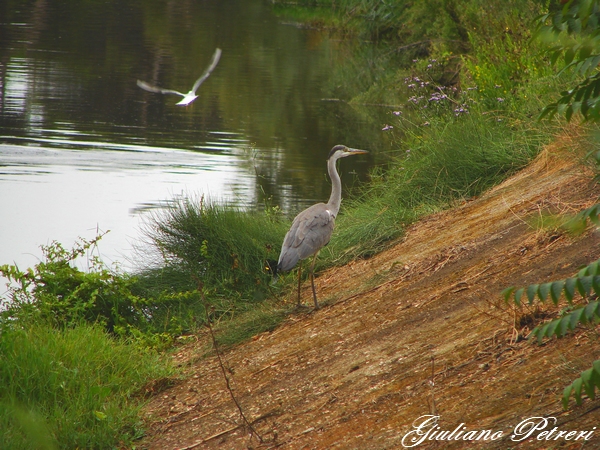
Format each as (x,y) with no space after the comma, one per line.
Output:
(227,431)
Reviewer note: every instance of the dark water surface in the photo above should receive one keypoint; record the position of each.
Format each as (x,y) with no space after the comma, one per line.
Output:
(82,148)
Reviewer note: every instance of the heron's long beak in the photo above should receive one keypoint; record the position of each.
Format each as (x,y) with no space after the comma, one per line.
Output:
(355,151)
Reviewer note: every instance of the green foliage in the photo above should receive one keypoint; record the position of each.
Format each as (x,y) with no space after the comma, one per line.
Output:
(71,388)
(592,213)
(441,165)
(579,222)
(413,28)
(61,293)
(571,33)
(576,224)
(502,61)
(474,43)
(56,291)
(560,326)
(572,36)
(587,382)
(66,379)
(583,99)
(220,249)
(262,318)
(586,283)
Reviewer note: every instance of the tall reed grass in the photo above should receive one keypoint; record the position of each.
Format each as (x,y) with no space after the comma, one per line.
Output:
(444,164)
(227,253)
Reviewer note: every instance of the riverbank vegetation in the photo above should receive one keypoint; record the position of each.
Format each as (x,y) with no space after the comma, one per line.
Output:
(466,84)
(469,85)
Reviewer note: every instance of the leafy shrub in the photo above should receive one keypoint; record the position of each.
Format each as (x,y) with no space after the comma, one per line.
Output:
(57,292)
(572,36)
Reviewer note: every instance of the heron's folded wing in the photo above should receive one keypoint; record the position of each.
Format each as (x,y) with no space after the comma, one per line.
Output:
(310,231)
(314,230)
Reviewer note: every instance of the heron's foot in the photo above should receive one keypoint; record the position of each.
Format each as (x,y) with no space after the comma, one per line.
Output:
(300,306)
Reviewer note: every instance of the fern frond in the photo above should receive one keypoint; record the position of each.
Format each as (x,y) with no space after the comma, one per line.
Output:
(588,382)
(560,326)
(586,283)
(593,214)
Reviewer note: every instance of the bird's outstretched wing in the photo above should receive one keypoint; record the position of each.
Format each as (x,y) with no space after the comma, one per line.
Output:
(215,60)
(158,90)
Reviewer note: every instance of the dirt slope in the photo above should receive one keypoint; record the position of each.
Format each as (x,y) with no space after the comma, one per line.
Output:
(419,329)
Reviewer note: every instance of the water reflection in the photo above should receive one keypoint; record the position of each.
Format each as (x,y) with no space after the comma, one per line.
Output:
(81,146)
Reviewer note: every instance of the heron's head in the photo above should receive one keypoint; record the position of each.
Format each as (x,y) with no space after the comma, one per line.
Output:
(341,151)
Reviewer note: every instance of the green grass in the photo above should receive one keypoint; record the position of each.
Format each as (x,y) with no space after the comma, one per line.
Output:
(266,316)
(75,388)
(468,118)
(223,249)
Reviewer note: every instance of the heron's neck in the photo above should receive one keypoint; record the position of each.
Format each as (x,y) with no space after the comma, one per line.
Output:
(336,187)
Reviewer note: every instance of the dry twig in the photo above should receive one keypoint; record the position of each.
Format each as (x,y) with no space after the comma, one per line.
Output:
(247,423)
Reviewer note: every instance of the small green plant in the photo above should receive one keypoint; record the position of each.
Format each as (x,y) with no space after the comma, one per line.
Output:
(571,33)
(586,282)
(59,292)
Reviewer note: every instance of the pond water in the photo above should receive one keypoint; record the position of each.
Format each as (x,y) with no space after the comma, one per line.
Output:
(83,149)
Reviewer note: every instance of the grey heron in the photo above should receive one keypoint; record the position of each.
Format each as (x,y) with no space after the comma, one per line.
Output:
(190,96)
(312,228)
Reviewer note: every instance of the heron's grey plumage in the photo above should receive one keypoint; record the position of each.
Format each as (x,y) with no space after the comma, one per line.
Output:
(311,229)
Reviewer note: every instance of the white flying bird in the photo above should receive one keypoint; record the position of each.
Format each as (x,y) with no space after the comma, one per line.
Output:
(190,96)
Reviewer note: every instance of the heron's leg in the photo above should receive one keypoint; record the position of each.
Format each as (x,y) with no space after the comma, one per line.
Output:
(299,280)
(312,280)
